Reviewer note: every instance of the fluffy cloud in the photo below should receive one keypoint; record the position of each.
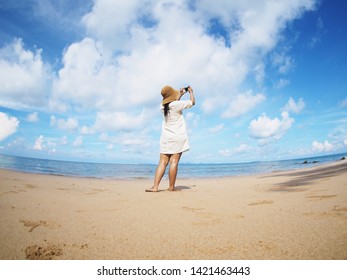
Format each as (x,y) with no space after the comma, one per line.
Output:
(281,83)
(127,58)
(111,30)
(243,103)
(322,147)
(131,141)
(85,81)
(114,121)
(133,48)
(8,125)
(63,140)
(216,128)
(78,142)
(243,148)
(265,128)
(33,117)
(24,78)
(318,34)
(283,62)
(295,107)
(39,146)
(69,124)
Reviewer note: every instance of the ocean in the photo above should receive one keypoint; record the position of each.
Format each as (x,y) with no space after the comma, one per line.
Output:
(144,171)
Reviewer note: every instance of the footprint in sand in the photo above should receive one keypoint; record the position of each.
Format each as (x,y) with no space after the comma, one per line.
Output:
(207,217)
(33,224)
(339,209)
(18,189)
(321,197)
(337,212)
(97,191)
(49,252)
(192,209)
(261,202)
(29,186)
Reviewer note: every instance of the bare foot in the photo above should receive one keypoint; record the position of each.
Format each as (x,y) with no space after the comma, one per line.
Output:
(171,189)
(152,189)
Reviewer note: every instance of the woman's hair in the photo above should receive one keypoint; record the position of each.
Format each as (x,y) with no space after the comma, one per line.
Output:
(166,109)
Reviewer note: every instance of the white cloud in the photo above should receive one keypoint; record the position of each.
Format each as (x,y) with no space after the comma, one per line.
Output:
(67,13)
(33,117)
(86,130)
(345,142)
(8,125)
(242,104)
(115,121)
(259,21)
(130,141)
(344,103)
(52,151)
(127,58)
(295,107)
(133,48)
(86,80)
(135,143)
(17,144)
(259,71)
(39,145)
(112,29)
(317,37)
(268,129)
(69,124)
(63,140)
(216,128)
(243,148)
(281,83)
(24,77)
(78,142)
(283,62)
(192,119)
(322,147)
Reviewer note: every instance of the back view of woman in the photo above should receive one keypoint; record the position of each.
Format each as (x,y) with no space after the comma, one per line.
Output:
(174,139)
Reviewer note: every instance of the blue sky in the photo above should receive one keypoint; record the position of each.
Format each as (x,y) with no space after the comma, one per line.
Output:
(81,80)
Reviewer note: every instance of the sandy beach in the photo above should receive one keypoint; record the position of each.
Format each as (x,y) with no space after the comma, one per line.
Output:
(298,214)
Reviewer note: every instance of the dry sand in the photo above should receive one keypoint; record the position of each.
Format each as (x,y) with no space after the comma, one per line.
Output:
(283,215)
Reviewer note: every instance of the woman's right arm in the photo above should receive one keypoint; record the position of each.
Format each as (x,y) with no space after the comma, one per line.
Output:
(192,97)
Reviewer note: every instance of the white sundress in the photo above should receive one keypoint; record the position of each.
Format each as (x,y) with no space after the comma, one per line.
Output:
(174,138)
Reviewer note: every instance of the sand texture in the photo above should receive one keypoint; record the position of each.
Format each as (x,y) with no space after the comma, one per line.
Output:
(283,215)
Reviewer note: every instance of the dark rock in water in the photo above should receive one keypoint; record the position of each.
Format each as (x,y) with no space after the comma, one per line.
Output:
(306,162)
(343,158)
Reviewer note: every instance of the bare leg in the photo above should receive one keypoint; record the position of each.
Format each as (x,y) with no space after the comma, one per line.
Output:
(163,161)
(174,160)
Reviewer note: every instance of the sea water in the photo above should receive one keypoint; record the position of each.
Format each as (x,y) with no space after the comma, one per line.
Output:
(139,171)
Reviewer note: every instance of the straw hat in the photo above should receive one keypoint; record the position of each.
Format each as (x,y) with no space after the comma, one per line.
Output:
(169,94)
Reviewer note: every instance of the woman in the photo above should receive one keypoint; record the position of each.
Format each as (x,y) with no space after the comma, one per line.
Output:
(174,138)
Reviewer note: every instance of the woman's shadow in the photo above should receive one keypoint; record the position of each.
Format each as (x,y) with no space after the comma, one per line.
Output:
(182,188)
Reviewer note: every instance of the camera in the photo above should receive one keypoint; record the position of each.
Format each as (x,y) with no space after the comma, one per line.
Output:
(186,88)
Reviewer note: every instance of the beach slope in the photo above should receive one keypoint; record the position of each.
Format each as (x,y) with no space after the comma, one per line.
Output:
(298,214)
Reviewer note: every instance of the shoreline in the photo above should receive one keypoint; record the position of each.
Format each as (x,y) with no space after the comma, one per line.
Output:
(296,214)
(147,171)
(304,167)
